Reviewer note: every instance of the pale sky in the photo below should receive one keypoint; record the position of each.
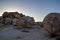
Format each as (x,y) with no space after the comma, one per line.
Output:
(34,8)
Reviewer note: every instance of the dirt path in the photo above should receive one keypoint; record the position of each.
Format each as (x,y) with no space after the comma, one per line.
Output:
(9,33)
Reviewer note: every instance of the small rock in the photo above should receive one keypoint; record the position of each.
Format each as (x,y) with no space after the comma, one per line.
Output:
(18,37)
(25,30)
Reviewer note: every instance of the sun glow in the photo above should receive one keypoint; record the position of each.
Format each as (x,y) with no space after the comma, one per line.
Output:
(11,9)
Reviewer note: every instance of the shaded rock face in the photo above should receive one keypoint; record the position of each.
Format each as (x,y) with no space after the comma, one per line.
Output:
(11,15)
(52,23)
(1,19)
(5,14)
(25,22)
(8,21)
(18,19)
(39,24)
(1,22)
(8,17)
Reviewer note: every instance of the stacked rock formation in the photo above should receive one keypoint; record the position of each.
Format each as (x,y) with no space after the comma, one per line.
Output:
(18,19)
(52,23)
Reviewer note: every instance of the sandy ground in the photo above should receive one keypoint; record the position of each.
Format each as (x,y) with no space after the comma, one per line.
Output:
(10,33)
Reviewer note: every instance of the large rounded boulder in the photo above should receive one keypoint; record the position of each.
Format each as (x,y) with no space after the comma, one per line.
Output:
(52,23)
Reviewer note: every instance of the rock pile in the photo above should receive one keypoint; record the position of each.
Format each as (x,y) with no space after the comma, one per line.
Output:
(18,19)
(52,23)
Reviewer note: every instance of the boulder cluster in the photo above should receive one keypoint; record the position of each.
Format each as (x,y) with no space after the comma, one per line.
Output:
(17,19)
(51,22)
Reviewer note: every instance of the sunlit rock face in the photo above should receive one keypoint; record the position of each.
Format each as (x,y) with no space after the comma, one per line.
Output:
(14,21)
(18,19)
(52,23)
